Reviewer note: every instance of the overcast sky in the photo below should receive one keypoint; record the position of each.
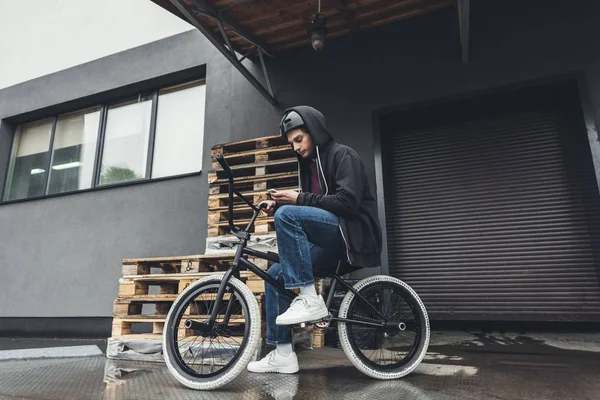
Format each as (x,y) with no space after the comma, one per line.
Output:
(38,37)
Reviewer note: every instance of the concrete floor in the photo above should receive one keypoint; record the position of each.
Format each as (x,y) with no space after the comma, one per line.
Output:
(458,365)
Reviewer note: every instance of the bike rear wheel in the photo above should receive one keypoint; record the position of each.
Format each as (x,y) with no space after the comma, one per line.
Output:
(207,358)
(395,349)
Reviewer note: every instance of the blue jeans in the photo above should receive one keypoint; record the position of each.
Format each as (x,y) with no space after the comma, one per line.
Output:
(307,238)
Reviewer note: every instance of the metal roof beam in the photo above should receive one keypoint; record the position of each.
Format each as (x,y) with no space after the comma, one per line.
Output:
(228,53)
(206,9)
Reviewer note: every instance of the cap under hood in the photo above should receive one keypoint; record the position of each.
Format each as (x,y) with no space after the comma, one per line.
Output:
(315,123)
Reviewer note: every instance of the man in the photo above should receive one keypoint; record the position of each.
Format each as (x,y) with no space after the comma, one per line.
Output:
(332,219)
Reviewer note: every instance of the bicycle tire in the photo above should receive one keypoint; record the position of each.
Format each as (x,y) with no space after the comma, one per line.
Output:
(350,334)
(246,349)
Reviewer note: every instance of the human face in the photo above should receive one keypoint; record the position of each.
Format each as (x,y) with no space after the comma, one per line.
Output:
(301,142)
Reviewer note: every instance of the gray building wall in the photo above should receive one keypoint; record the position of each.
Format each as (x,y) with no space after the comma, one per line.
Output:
(61,256)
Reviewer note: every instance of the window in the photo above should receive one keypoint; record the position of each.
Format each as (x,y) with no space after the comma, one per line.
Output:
(153,135)
(126,141)
(28,169)
(179,127)
(74,150)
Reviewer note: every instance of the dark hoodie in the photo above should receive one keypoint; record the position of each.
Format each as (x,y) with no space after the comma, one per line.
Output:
(346,191)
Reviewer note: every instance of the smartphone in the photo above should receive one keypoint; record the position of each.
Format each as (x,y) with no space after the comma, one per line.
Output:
(271,191)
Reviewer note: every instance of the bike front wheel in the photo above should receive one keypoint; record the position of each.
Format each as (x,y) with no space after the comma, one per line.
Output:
(396,341)
(204,358)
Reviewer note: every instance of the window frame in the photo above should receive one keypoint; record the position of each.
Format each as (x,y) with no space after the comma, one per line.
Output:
(99,151)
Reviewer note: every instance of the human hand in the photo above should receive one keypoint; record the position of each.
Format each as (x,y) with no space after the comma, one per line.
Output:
(270,206)
(285,196)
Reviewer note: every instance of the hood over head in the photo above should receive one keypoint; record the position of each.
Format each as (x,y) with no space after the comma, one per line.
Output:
(315,123)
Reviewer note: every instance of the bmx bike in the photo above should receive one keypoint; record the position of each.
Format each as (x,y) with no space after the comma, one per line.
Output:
(213,329)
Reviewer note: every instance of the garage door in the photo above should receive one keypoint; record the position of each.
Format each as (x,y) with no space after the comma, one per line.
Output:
(491,207)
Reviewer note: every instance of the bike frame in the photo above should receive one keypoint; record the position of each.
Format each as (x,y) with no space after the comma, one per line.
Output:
(239,261)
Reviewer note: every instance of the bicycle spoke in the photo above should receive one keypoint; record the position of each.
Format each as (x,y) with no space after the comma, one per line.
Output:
(192,350)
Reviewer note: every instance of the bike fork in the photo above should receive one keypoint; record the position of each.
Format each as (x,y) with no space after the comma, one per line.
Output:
(233,271)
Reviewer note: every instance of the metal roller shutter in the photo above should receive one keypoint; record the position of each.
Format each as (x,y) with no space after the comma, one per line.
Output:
(488,209)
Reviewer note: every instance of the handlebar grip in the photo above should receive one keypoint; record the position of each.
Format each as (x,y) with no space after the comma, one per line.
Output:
(224,164)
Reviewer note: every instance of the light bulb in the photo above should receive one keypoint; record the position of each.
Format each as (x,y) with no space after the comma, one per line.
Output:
(317,32)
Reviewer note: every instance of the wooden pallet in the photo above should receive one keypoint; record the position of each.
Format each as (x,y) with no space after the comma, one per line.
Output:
(249,158)
(140,286)
(217,201)
(192,264)
(123,324)
(266,143)
(253,171)
(262,226)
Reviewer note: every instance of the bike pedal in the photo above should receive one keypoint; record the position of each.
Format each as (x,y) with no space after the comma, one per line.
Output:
(309,323)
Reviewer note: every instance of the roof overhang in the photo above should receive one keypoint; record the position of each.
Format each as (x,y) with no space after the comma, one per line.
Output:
(243,29)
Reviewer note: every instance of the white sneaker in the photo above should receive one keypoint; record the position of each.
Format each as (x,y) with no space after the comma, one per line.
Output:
(275,362)
(303,309)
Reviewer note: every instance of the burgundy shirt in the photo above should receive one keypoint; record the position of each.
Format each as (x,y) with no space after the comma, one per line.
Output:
(315,185)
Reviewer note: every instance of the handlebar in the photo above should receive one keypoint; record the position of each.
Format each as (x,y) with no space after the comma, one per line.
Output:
(230,176)
(224,165)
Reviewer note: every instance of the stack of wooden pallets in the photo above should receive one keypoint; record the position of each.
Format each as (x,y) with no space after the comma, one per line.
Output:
(258,165)
(149,286)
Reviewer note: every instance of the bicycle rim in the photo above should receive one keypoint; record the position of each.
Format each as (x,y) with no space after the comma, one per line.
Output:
(391,348)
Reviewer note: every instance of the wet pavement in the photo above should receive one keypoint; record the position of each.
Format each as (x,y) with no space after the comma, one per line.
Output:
(458,365)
